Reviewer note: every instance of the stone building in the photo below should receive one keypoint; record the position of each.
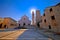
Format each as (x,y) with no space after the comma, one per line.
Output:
(8,23)
(43,22)
(38,17)
(51,18)
(1,21)
(24,21)
(33,18)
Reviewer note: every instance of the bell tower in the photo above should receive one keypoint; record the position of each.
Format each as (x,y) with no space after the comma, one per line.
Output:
(32,17)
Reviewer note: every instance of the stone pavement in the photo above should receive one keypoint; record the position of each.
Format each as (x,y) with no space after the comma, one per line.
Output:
(22,34)
(11,35)
(31,34)
(49,34)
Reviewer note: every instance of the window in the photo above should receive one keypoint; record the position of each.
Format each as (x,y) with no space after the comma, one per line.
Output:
(52,17)
(44,14)
(45,20)
(49,26)
(50,9)
(24,18)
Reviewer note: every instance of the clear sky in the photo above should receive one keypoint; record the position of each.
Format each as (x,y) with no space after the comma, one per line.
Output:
(17,8)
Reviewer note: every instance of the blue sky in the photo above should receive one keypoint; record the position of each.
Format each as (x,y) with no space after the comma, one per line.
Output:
(17,8)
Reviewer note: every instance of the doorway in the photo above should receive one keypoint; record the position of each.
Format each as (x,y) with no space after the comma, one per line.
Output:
(19,24)
(24,24)
(0,25)
(38,25)
(49,26)
(4,26)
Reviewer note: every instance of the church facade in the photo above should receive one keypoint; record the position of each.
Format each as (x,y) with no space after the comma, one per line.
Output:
(24,21)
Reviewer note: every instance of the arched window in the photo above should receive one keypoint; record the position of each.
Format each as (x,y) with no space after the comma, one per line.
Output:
(49,26)
(45,20)
(44,14)
(52,17)
(24,18)
(51,10)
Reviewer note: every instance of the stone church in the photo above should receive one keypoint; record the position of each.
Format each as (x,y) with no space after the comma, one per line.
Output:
(24,21)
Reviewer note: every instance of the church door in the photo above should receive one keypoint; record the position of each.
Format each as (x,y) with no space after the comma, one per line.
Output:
(19,24)
(24,24)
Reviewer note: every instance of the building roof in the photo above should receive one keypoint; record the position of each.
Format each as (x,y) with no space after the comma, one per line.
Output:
(58,4)
(10,18)
(52,6)
(25,16)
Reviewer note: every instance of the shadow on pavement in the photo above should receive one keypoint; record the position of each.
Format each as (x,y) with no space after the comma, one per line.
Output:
(30,34)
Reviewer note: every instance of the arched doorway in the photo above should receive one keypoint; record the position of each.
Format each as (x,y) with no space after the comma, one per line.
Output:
(5,26)
(19,24)
(38,24)
(24,24)
(0,25)
(49,26)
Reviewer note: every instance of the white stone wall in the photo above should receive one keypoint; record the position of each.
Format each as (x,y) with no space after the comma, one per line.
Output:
(25,20)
